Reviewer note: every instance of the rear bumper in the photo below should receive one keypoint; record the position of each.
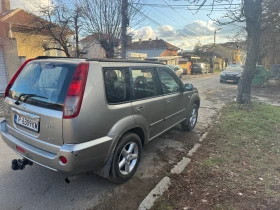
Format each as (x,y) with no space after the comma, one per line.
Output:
(229,78)
(82,157)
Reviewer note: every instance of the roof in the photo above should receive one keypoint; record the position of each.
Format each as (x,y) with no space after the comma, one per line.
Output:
(18,17)
(151,44)
(150,52)
(96,36)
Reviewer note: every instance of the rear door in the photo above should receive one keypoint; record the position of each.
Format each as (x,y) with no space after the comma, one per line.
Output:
(148,102)
(176,101)
(40,89)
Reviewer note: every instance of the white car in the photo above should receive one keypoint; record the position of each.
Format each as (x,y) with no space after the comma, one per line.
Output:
(177,69)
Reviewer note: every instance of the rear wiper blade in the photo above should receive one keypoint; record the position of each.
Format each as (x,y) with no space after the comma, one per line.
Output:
(28,95)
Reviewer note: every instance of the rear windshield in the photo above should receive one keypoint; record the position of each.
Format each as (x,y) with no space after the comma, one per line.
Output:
(49,81)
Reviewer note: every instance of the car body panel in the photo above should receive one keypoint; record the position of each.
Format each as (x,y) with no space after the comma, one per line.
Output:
(88,140)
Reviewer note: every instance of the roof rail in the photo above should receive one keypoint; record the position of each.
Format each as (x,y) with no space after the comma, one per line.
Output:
(45,57)
(121,60)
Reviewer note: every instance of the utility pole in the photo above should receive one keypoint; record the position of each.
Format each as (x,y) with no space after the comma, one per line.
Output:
(125,23)
(214,49)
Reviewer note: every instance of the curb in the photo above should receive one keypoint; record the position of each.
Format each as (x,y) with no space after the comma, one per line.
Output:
(165,183)
(177,169)
(194,149)
(157,192)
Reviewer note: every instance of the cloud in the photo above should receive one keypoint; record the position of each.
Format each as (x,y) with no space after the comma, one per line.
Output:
(187,36)
(29,5)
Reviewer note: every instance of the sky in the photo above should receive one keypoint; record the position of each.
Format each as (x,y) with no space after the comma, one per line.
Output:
(182,26)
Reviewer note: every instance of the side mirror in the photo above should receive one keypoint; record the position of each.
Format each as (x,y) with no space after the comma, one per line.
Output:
(188,87)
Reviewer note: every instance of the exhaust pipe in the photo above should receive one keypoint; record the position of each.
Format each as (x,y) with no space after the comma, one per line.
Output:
(20,164)
(71,178)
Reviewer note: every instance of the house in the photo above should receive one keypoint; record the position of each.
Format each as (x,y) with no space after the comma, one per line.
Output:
(9,60)
(91,48)
(156,50)
(18,43)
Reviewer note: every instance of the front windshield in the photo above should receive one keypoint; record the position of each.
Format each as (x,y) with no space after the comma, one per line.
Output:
(234,68)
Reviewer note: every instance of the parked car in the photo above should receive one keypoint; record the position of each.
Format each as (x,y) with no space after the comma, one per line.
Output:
(177,69)
(196,69)
(77,115)
(204,67)
(232,73)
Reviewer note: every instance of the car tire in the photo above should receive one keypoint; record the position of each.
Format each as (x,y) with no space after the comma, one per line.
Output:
(190,122)
(221,81)
(120,174)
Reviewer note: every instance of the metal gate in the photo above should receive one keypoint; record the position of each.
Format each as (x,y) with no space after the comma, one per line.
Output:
(3,75)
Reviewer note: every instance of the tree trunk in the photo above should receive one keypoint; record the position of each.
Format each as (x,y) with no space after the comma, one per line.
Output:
(110,53)
(252,12)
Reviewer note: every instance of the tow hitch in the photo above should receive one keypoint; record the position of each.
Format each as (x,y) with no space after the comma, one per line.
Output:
(20,164)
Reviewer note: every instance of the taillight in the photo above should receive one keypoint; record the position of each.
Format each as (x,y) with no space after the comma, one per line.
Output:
(75,94)
(14,78)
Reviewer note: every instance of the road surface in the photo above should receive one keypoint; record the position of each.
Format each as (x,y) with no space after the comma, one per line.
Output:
(40,188)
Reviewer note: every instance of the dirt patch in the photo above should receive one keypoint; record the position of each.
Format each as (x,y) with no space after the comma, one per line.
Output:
(267,94)
(236,168)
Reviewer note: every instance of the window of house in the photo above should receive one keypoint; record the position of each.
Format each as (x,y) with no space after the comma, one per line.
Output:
(168,81)
(117,85)
(144,83)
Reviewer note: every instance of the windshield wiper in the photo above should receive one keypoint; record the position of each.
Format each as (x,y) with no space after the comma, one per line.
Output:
(28,95)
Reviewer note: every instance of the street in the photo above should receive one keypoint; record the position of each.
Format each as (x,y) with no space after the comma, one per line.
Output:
(40,188)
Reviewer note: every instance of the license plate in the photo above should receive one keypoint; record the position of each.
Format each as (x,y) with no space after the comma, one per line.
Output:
(230,80)
(27,123)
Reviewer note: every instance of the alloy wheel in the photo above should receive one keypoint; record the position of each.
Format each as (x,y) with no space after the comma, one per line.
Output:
(193,117)
(128,158)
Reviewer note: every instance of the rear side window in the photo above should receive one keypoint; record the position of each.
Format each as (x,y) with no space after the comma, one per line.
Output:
(144,83)
(117,85)
(49,81)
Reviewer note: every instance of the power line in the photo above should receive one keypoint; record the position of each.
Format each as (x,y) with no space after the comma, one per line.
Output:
(185,5)
(182,17)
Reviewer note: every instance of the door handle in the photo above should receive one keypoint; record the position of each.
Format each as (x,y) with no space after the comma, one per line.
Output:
(168,101)
(139,108)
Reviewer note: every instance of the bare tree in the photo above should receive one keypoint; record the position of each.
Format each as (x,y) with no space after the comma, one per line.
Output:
(270,40)
(61,23)
(103,18)
(249,12)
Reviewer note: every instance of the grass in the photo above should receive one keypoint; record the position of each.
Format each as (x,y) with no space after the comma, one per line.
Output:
(238,166)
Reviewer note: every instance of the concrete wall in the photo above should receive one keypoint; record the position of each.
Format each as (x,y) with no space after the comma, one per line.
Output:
(12,61)
(30,45)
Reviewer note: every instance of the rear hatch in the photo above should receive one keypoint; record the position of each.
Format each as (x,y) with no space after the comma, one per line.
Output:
(35,113)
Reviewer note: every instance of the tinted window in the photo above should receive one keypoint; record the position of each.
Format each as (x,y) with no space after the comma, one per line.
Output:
(144,83)
(117,85)
(168,82)
(48,80)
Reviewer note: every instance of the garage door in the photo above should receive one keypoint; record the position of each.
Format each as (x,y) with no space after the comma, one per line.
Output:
(3,75)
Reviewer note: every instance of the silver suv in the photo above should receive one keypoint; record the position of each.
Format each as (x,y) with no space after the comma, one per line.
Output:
(77,115)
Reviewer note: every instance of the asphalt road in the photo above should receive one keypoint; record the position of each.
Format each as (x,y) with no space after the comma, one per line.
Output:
(40,188)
